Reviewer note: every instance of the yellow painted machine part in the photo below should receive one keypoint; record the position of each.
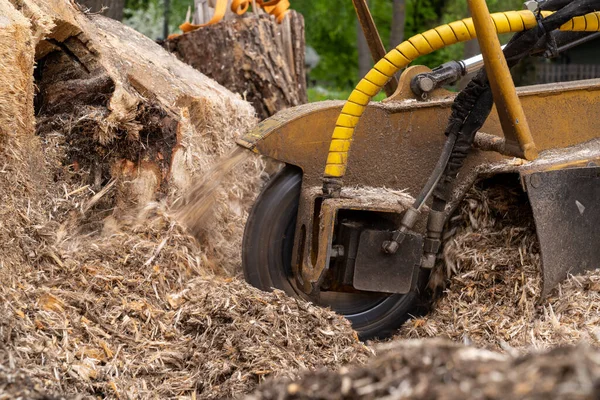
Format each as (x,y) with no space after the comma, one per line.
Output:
(408,51)
(512,117)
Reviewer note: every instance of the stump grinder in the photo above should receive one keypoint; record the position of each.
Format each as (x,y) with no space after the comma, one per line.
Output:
(355,220)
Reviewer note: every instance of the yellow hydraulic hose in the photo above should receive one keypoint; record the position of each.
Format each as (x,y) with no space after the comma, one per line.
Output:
(409,50)
(277,8)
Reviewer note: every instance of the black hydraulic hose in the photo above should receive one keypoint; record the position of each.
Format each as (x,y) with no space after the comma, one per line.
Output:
(462,117)
(553,5)
(437,173)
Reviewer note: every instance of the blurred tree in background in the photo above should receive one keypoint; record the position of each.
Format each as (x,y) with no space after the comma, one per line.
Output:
(331,29)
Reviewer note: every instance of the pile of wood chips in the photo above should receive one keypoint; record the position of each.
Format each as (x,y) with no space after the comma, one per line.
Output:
(492,299)
(135,314)
(102,292)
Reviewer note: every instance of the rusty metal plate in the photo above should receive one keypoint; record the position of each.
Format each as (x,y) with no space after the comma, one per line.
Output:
(566,209)
(376,271)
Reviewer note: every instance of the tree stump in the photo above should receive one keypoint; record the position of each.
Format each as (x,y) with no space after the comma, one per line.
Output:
(21,160)
(254,56)
(116,115)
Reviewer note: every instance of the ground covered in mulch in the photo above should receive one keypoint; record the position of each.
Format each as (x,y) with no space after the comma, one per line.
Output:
(108,322)
(439,369)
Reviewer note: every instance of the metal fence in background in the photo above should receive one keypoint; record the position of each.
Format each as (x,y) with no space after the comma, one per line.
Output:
(550,73)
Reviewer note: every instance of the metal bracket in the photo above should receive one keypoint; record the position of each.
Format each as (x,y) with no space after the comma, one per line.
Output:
(445,74)
(312,255)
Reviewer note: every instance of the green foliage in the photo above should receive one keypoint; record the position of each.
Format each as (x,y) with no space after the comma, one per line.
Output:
(331,31)
(147,16)
(147,20)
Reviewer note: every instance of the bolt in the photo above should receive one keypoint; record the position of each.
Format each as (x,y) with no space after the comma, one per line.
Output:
(535,180)
(337,251)
(428,261)
(532,5)
(426,83)
(390,247)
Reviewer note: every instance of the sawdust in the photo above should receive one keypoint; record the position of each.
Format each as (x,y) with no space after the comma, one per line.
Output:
(192,210)
(438,369)
(492,296)
(137,314)
(136,310)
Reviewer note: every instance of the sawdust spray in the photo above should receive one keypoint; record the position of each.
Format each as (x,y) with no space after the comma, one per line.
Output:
(193,208)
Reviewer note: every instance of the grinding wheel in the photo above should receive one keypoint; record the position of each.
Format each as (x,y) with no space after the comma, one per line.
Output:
(267,254)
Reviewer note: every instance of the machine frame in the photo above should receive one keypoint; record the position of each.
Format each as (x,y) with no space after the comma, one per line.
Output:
(546,135)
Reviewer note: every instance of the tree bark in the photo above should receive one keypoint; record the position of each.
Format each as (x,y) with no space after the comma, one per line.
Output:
(254,56)
(398,22)
(112,8)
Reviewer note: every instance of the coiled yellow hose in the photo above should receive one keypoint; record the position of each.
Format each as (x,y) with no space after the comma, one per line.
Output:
(409,50)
